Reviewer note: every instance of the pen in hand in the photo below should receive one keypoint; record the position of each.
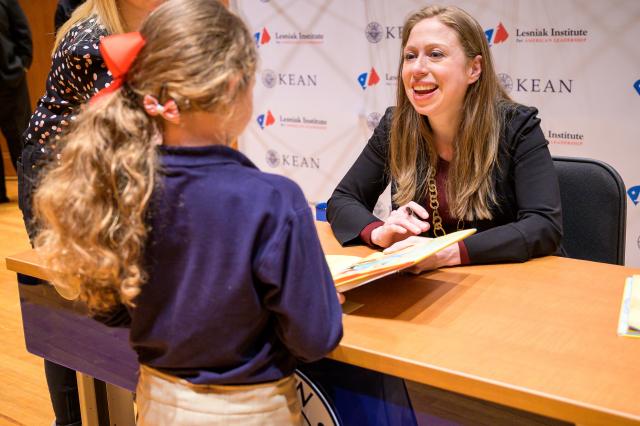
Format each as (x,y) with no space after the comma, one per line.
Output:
(413,216)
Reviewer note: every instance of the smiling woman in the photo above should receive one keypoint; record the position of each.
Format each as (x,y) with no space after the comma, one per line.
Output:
(457,151)
(436,74)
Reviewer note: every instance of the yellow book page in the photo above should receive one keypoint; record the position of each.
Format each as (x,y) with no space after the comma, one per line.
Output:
(338,262)
(634,304)
(418,252)
(381,263)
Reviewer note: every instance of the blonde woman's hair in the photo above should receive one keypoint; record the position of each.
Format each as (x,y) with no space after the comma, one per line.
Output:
(413,158)
(91,207)
(106,14)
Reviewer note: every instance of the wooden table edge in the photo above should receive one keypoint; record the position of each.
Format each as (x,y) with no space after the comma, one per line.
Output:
(451,380)
(482,388)
(26,263)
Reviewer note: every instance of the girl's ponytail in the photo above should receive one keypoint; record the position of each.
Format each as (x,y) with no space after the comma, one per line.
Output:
(91,206)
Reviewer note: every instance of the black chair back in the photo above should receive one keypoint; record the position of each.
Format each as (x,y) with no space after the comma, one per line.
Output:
(594,209)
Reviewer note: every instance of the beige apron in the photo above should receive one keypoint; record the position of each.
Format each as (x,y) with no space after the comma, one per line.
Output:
(163,399)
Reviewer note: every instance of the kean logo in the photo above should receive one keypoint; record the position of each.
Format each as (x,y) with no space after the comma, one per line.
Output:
(367,79)
(291,161)
(262,37)
(265,120)
(316,409)
(373,119)
(374,32)
(633,193)
(506,81)
(271,79)
(272,158)
(535,85)
(497,35)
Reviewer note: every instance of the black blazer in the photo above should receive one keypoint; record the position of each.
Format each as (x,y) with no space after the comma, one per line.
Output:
(64,10)
(527,219)
(16,49)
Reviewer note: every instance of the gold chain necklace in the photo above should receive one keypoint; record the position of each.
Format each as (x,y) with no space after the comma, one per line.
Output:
(438,230)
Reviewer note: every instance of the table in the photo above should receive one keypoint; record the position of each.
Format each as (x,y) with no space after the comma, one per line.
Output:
(538,336)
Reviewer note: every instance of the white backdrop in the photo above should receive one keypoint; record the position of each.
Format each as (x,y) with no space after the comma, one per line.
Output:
(328,71)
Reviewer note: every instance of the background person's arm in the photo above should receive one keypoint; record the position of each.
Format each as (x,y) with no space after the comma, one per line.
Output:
(20,34)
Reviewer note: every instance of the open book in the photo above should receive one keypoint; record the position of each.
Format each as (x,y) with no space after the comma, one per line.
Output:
(352,271)
(629,320)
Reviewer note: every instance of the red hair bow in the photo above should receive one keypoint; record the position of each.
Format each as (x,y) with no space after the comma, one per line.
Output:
(119,51)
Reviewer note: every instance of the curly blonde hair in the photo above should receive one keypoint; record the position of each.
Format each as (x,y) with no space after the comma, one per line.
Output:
(91,206)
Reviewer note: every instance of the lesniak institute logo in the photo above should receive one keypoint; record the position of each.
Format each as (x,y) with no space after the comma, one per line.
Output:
(287,37)
(637,86)
(271,79)
(564,137)
(262,37)
(290,161)
(373,119)
(497,35)
(551,35)
(376,32)
(367,79)
(266,119)
(536,85)
(634,193)
(301,121)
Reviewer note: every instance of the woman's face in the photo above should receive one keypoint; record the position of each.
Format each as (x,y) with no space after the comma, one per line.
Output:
(435,71)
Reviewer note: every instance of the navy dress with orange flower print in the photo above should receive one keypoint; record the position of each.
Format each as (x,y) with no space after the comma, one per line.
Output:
(77,73)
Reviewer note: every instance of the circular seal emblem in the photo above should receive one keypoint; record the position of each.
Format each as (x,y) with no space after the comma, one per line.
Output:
(269,78)
(506,82)
(273,159)
(373,119)
(316,410)
(374,32)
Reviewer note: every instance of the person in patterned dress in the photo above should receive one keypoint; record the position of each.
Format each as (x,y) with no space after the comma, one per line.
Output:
(77,73)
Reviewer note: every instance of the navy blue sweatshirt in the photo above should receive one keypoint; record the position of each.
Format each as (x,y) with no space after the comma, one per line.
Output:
(238,285)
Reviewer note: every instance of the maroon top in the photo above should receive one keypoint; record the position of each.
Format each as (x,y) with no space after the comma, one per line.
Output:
(442,172)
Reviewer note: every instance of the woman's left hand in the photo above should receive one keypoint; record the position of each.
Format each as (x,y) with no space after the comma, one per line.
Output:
(449,256)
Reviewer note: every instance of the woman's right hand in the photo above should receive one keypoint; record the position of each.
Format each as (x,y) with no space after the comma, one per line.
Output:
(406,221)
